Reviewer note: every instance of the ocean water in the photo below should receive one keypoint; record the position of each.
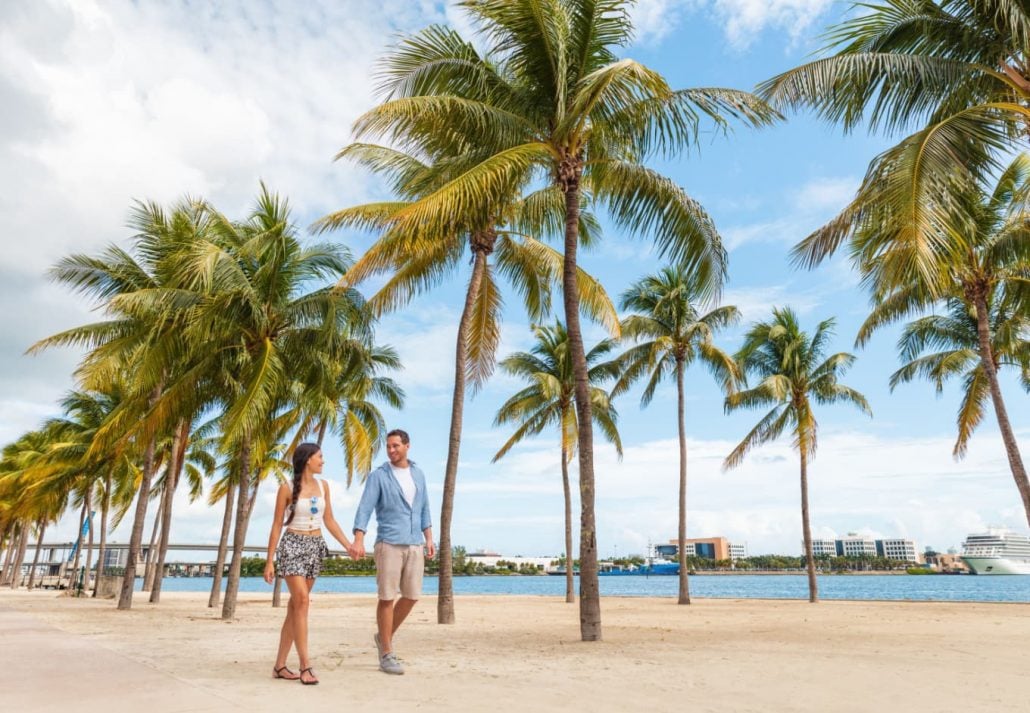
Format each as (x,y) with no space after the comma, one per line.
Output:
(969,588)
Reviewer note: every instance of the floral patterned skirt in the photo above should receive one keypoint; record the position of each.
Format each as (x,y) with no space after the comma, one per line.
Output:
(300,555)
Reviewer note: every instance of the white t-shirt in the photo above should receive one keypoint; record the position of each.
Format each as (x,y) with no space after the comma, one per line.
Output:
(407,483)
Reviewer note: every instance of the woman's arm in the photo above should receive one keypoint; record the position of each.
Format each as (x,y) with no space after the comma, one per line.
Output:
(332,525)
(282,499)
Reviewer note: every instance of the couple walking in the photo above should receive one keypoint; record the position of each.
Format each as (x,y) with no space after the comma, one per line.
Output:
(396,493)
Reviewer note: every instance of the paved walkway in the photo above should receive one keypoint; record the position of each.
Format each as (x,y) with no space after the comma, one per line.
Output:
(45,669)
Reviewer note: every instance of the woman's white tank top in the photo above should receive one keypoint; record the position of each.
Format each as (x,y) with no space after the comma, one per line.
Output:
(308,512)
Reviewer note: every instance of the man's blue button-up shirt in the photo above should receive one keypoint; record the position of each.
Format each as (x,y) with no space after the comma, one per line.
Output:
(397,522)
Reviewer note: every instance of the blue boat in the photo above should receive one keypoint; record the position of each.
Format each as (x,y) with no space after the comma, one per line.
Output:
(652,568)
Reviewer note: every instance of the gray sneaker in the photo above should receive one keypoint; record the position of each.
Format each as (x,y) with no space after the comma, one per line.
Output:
(390,664)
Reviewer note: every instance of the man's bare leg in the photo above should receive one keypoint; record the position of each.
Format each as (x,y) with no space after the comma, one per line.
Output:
(389,617)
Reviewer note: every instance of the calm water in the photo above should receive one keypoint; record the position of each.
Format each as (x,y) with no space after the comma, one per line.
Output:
(785,586)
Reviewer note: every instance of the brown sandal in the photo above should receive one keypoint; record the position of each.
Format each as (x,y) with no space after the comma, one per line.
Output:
(278,673)
(308,683)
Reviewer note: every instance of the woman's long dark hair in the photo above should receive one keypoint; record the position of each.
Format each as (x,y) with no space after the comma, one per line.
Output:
(301,456)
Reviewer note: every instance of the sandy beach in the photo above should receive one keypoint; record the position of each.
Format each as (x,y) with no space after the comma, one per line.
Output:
(520,653)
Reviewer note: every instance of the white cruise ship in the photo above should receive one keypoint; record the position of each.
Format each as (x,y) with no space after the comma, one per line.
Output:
(997,551)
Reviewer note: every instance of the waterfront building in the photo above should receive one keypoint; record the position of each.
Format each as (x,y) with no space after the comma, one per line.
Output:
(897,549)
(713,548)
(823,547)
(490,559)
(945,561)
(855,545)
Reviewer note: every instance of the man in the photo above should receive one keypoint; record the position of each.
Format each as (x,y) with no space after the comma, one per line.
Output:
(396,491)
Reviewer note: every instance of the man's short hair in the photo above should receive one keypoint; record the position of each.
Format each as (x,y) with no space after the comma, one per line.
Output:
(403,435)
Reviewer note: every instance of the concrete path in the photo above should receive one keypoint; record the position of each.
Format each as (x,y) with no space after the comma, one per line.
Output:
(45,669)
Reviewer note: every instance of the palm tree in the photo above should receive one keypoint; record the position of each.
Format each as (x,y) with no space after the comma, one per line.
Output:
(266,329)
(548,401)
(420,259)
(957,69)
(793,373)
(140,345)
(675,335)
(551,101)
(955,344)
(986,264)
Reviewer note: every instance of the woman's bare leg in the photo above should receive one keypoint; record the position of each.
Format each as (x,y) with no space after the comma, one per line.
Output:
(300,591)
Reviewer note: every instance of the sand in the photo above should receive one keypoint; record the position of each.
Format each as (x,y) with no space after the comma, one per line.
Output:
(510,653)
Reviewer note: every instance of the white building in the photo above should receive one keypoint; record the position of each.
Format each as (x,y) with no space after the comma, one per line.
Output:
(822,547)
(899,549)
(738,550)
(490,559)
(857,545)
(854,545)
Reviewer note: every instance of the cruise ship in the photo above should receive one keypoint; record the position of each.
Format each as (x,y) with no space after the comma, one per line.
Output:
(997,551)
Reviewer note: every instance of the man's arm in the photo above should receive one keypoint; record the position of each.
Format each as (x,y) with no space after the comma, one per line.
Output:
(430,547)
(369,498)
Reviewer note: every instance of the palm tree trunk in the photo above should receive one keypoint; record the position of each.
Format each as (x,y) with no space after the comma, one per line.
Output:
(445,599)
(570,587)
(983,330)
(105,507)
(10,539)
(179,443)
(39,549)
(148,561)
(89,534)
(78,546)
(223,541)
(684,593)
(19,557)
(232,584)
(136,538)
(813,587)
(321,433)
(570,171)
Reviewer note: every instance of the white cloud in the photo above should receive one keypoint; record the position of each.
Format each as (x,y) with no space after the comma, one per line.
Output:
(653,20)
(807,206)
(744,19)
(108,102)
(741,20)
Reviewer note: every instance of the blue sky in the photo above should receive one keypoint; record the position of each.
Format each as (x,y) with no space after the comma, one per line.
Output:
(106,102)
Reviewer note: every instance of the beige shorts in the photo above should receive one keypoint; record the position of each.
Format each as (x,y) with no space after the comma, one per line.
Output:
(398,569)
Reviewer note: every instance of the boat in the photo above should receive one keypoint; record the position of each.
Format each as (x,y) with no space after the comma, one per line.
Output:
(653,565)
(997,551)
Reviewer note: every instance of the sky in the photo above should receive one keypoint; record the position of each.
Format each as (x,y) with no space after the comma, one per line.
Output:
(109,102)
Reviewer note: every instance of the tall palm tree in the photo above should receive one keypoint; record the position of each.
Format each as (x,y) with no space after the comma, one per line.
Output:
(501,240)
(953,339)
(674,334)
(551,101)
(548,401)
(986,264)
(793,373)
(957,70)
(267,320)
(140,344)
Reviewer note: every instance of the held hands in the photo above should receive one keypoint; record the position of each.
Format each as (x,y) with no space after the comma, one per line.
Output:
(269,572)
(357,548)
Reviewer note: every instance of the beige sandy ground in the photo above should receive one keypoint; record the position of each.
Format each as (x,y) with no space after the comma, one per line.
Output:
(520,654)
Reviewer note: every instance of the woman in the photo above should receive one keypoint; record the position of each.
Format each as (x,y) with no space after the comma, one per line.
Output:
(300,552)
